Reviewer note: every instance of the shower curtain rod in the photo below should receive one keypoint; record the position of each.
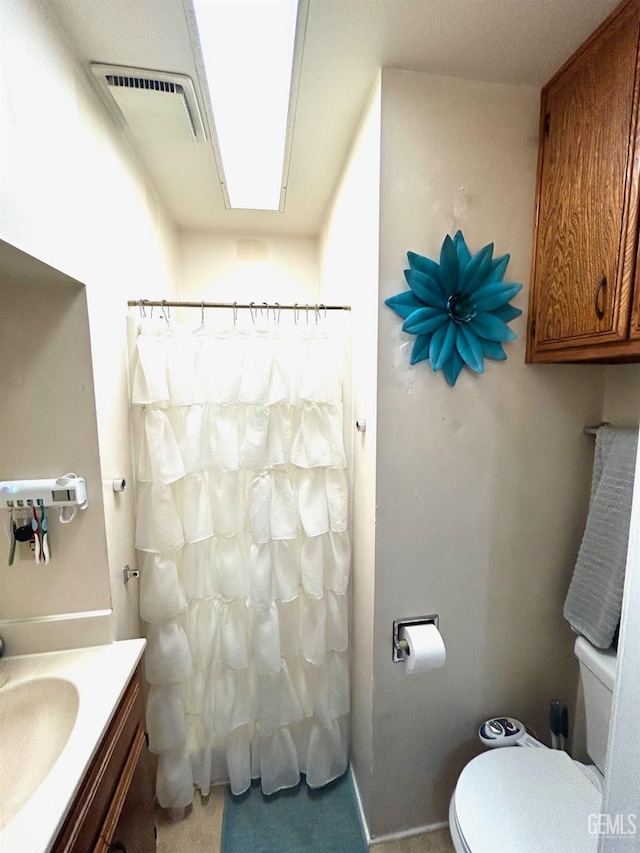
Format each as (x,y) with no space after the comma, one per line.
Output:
(252,306)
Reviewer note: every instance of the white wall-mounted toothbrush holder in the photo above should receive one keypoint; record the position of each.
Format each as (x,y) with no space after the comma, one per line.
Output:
(66,491)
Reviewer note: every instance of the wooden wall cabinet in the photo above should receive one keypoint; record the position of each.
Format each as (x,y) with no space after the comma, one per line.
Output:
(113,810)
(584,301)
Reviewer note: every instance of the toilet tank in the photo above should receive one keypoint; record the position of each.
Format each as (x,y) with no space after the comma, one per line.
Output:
(597,671)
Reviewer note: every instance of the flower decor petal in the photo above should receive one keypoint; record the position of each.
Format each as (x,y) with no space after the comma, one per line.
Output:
(507,313)
(427,267)
(425,288)
(492,328)
(404,303)
(450,266)
(470,348)
(420,350)
(424,320)
(452,368)
(476,270)
(492,296)
(443,345)
(497,269)
(464,255)
(493,349)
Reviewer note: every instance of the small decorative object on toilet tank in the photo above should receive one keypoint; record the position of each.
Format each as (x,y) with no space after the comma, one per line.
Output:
(458,308)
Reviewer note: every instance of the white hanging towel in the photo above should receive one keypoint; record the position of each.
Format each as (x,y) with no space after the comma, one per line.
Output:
(594,600)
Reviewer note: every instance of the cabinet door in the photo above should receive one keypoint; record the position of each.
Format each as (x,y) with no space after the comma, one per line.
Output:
(583,269)
(81,829)
(129,825)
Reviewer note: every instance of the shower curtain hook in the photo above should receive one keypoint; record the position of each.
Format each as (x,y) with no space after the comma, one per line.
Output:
(251,307)
(235,313)
(143,313)
(322,305)
(266,310)
(296,313)
(166,313)
(306,313)
(316,309)
(276,316)
(202,312)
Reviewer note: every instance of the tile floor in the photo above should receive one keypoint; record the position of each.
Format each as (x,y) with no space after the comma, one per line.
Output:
(200,829)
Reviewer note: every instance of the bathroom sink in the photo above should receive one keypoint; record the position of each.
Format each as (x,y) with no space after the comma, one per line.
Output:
(36,720)
(55,708)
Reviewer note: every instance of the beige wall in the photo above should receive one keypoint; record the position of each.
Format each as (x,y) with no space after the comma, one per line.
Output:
(243,267)
(622,395)
(73,195)
(48,428)
(349,269)
(481,489)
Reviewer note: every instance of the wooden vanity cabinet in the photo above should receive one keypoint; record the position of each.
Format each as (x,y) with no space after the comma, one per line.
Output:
(113,810)
(584,302)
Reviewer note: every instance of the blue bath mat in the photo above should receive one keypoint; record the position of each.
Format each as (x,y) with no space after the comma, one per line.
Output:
(296,820)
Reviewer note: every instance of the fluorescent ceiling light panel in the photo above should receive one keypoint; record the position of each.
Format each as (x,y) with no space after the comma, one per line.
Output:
(247,49)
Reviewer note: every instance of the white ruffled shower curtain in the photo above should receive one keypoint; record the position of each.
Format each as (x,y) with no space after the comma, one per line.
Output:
(242,525)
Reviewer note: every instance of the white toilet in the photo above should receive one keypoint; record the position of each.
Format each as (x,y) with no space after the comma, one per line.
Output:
(536,800)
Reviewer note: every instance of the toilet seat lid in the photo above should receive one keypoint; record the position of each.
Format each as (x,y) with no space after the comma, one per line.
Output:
(526,800)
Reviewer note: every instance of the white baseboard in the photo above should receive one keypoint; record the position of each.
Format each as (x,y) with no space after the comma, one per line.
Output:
(363,819)
(409,833)
(392,836)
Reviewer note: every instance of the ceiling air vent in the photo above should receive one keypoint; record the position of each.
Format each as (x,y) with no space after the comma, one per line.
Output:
(154,105)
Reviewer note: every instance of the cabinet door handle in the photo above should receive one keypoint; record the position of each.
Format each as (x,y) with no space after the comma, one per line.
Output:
(600,288)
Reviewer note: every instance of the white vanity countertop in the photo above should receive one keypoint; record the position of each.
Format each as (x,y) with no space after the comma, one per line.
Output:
(100,674)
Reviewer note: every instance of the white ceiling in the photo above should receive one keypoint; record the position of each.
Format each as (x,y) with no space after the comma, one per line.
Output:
(510,41)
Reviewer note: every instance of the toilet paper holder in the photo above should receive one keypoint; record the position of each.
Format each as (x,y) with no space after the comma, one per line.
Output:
(400,645)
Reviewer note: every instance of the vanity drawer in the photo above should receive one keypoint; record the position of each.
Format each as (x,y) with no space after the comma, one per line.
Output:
(84,823)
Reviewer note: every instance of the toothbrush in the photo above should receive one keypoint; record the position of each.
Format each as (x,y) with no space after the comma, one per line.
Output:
(44,527)
(35,526)
(12,546)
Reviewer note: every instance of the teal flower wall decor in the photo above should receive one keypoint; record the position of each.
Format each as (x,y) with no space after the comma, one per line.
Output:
(458,309)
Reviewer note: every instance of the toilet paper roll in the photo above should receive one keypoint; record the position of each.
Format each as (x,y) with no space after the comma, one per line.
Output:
(426,648)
